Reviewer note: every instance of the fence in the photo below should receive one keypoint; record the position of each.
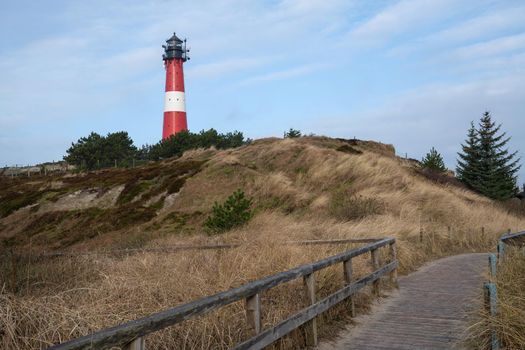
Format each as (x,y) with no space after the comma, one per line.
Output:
(489,288)
(131,335)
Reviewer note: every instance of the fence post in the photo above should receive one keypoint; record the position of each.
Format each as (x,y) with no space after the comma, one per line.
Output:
(393,257)
(347,270)
(491,303)
(449,229)
(137,344)
(375,266)
(493,260)
(309,281)
(253,312)
(501,249)
(421,234)
(14,265)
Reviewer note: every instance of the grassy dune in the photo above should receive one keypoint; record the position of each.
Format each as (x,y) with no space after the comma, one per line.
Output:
(307,188)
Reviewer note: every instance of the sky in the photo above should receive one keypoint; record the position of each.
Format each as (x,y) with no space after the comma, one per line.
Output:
(412,73)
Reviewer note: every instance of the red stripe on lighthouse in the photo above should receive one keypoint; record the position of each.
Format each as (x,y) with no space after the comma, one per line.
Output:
(174,101)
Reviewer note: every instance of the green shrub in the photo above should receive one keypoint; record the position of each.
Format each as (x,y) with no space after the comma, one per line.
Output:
(235,211)
(433,161)
(292,133)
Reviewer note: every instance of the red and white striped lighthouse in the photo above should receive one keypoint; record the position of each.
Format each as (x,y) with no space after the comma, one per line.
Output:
(175,54)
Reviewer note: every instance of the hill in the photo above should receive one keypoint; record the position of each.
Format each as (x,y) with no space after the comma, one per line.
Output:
(332,181)
(303,188)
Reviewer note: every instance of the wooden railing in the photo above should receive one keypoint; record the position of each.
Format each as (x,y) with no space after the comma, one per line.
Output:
(130,335)
(490,290)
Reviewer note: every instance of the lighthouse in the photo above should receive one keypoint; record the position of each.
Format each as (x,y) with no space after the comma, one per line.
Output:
(175,54)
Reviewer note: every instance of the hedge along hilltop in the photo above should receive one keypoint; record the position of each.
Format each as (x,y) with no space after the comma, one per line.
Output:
(361,182)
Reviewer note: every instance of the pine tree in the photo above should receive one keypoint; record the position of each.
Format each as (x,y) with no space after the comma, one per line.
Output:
(433,161)
(468,169)
(485,165)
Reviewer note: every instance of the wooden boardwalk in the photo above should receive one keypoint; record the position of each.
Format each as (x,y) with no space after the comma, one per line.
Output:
(428,312)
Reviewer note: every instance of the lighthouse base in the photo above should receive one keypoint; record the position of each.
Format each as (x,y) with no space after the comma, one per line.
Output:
(174,122)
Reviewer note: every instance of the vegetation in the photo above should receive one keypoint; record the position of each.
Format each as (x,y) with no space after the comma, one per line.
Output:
(96,151)
(235,211)
(292,133)
(347,206)
(433,161)
(51,300)
(509,322)
(183,141)
(485,164)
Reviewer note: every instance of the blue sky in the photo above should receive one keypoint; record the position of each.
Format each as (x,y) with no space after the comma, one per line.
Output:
(413,73)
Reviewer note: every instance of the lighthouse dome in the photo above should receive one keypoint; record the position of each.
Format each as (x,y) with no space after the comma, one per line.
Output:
(175,48)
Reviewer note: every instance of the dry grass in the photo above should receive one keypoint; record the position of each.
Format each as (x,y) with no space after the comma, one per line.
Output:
(295,183)
(509,322)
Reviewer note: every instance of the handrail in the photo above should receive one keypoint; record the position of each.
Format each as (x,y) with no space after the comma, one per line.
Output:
(183,247)
(517,238)
(130,333)
(490,287)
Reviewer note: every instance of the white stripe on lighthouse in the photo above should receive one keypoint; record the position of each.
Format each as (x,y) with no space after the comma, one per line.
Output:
(174,101)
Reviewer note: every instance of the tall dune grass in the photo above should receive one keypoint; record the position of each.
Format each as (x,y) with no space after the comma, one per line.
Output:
(509,321)
(295,184)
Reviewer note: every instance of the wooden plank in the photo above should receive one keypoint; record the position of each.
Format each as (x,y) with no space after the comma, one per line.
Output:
(334,241)
(374,255)
(309,282)
(182,247)
(517,239)
(137,344)
(253,312)
(126,332)
(347,271)
(283,328)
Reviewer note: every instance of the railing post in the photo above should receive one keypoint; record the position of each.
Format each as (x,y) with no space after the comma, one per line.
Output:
(375,266)
(309,281)
(347,270)
(137,344)
(493,260)
(253,312)
(491,303)
(501,249)
(393,257)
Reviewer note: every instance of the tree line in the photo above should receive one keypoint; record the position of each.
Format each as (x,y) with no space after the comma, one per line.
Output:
(117,149)
(484,163)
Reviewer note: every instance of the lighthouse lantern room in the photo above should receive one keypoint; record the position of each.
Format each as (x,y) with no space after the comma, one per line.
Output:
(175,54)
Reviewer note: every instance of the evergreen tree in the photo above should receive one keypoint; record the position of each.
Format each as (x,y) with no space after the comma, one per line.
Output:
(292,133)
(433,161)
(96,151)
(485,164)
(467,169)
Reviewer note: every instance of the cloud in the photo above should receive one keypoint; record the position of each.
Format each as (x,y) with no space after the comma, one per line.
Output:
(217,69)
(399,18)
(491,23)
(436,115)
(502,45)
(283,74)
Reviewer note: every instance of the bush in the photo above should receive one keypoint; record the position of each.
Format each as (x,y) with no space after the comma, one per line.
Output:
(346,206)
(433,161)
(182,141)
(292,133)
(235,211)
